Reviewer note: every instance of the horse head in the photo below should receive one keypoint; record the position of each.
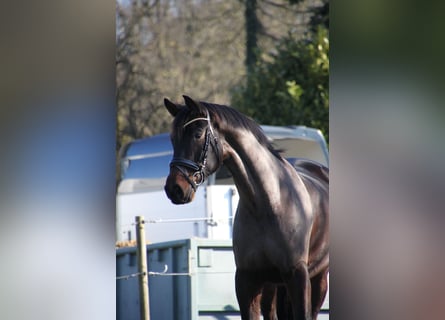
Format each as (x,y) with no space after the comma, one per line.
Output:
(197,152)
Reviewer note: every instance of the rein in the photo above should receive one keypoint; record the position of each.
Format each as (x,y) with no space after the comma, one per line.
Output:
(198,168)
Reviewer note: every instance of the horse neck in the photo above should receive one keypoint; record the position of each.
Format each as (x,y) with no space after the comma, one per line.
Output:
(255,169)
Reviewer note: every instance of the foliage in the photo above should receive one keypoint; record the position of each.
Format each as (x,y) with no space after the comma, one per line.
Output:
(320,16)
(293,88)
(170,48)
(166,48)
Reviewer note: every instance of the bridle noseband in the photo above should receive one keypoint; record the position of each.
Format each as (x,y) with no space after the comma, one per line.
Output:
(198,168)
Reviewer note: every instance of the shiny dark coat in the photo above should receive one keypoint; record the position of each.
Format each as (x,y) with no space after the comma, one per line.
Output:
(281,228)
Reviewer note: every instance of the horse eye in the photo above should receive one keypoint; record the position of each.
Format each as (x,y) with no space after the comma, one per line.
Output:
(198,133)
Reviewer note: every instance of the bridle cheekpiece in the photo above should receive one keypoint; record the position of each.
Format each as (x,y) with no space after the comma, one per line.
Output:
(198,168)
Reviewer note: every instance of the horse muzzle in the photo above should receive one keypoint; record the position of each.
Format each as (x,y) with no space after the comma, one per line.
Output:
(178,189)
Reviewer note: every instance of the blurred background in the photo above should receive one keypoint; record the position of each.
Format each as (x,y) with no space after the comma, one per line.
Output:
(63,116)
(268,58)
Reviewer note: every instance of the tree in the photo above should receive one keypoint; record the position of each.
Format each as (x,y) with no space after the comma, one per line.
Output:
(267,21)
(166,48)
(252,28)
(170,48)
(293,88)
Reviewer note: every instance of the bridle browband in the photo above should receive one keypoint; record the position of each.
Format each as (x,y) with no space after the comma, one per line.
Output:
(198,168)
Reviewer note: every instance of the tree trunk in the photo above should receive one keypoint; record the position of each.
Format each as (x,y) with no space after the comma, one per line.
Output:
(252,26)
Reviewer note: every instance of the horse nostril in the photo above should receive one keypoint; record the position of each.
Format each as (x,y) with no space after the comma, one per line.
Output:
(177,192)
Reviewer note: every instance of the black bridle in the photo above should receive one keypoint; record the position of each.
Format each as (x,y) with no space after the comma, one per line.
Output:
(198,168)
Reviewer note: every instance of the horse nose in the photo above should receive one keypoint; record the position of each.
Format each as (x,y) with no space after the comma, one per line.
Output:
(175,193)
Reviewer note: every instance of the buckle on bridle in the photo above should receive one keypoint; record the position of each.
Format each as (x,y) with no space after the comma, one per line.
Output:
(198,173)
(201,177)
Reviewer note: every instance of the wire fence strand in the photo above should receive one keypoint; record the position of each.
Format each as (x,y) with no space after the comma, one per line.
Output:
(160,220)
(154,273)
(128,276)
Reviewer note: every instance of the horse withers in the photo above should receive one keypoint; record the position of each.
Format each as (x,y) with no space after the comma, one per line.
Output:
(281,226)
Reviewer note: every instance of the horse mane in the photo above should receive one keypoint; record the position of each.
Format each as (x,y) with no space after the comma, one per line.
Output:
(236,119)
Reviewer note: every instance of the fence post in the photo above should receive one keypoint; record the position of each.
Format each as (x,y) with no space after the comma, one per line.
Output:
(142,269)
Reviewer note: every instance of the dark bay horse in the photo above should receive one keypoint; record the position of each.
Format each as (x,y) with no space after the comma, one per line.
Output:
(280,235)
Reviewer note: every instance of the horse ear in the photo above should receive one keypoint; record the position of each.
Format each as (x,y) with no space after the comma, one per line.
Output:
(193,105)
(171,107)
